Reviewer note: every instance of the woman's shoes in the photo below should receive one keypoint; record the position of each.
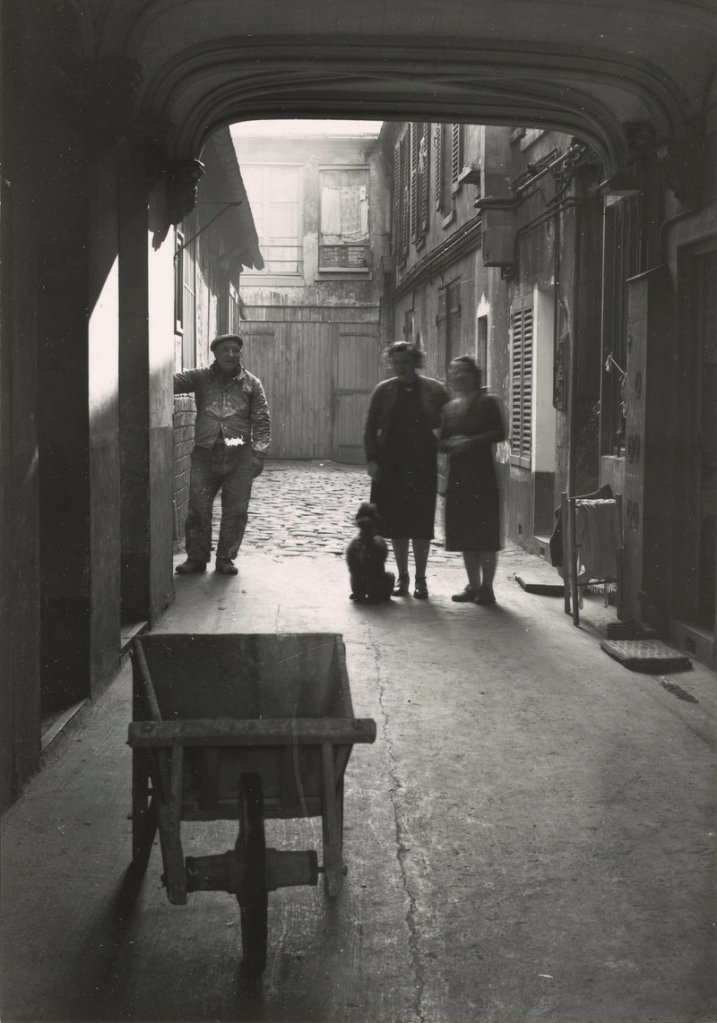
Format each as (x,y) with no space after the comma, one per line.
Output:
(466,596)
(401,587)
(485,595)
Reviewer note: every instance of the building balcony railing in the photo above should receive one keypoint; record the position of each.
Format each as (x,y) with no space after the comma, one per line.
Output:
(344,257)
(280,260)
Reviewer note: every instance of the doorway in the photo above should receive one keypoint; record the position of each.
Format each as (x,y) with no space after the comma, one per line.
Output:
(450,341)
(695,569)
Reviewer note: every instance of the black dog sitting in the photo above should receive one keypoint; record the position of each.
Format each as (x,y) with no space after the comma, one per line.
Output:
(366,557)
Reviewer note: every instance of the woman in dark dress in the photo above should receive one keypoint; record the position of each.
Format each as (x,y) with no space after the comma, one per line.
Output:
(400,442)
(472,423)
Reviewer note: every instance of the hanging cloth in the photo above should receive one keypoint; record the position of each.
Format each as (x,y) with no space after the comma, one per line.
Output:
(598,539)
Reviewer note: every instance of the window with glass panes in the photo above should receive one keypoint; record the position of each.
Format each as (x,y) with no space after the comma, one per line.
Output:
(273,191)
(344,218)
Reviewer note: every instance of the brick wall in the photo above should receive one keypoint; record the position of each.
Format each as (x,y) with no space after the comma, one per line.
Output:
(183,423)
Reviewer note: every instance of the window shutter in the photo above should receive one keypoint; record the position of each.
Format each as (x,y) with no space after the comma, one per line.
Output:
(414,179)
(425,157)
(405,193)
(456,152)
(438,179)
(397,199)
(521,409)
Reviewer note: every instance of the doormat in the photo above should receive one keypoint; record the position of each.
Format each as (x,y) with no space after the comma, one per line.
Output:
(651,656)
(542,583)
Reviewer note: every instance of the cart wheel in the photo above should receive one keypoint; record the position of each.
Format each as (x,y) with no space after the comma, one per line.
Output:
(252,897)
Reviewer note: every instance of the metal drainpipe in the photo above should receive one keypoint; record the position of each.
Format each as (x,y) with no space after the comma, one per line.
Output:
(572,391)
(557,272)
(601,431)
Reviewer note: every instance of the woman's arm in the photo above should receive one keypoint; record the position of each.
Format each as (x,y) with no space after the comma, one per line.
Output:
(489,429)
(462,442)
(371,427)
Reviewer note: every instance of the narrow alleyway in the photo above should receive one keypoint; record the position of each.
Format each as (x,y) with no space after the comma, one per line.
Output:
(531,837)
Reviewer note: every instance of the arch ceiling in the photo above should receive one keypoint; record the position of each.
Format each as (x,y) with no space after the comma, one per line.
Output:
(588,67)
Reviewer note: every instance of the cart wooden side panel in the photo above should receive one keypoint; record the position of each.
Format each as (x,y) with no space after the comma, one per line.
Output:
(211,712)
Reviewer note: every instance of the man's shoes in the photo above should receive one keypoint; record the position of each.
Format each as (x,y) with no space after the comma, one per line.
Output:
(401,587)
(226,567)
(421,590)
(191,567)
(466,596)
(485,595)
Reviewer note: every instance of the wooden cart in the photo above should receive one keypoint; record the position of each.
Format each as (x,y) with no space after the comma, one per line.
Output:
(247,728)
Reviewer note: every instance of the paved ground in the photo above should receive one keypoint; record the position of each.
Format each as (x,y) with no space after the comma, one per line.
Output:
(307,508)
(530,838)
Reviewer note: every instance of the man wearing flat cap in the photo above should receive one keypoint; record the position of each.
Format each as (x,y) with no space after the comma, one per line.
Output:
(231,433)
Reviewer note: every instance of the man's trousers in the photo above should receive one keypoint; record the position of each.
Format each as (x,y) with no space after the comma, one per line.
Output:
(228,469)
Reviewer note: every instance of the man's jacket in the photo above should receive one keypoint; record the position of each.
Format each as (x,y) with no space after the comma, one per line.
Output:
(227,408)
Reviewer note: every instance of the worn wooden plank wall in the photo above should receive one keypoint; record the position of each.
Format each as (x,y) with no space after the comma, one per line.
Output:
(318,366)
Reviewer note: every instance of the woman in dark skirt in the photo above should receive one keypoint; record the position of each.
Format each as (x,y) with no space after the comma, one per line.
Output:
(400,445)
(472,423)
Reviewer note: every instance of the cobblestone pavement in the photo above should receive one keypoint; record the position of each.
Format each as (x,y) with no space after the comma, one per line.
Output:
(306,508)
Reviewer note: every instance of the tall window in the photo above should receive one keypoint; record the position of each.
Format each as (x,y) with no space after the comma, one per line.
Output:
(178,281)
(448,143)
(411,187)
(344,219)
(235,310)
(185,301)
(420,171)
(521,390)
(273,191)
(402,195)
(448,323)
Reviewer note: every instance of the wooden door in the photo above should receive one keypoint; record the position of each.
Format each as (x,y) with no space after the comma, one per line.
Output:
(294,362)
(357,373)
(317,375)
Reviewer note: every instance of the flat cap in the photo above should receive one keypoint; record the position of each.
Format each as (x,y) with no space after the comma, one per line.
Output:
(226,337)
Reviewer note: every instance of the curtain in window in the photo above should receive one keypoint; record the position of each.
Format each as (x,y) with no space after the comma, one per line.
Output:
(344,213)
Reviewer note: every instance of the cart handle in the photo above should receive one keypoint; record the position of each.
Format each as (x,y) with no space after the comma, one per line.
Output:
(147,687)
(251,732)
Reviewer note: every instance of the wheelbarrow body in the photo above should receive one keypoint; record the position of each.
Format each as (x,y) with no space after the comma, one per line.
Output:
(241,727)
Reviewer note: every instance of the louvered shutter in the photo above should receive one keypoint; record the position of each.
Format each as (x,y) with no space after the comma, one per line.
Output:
(456,152)
(521,406)
(425,178)
(414,179)
(405,193)
(438,180)
(396,226)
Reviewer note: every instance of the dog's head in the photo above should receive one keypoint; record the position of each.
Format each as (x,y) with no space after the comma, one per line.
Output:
(367,517)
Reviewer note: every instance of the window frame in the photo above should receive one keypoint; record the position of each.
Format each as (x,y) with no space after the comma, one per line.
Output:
(345,269)
(178,281)
(250,274)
